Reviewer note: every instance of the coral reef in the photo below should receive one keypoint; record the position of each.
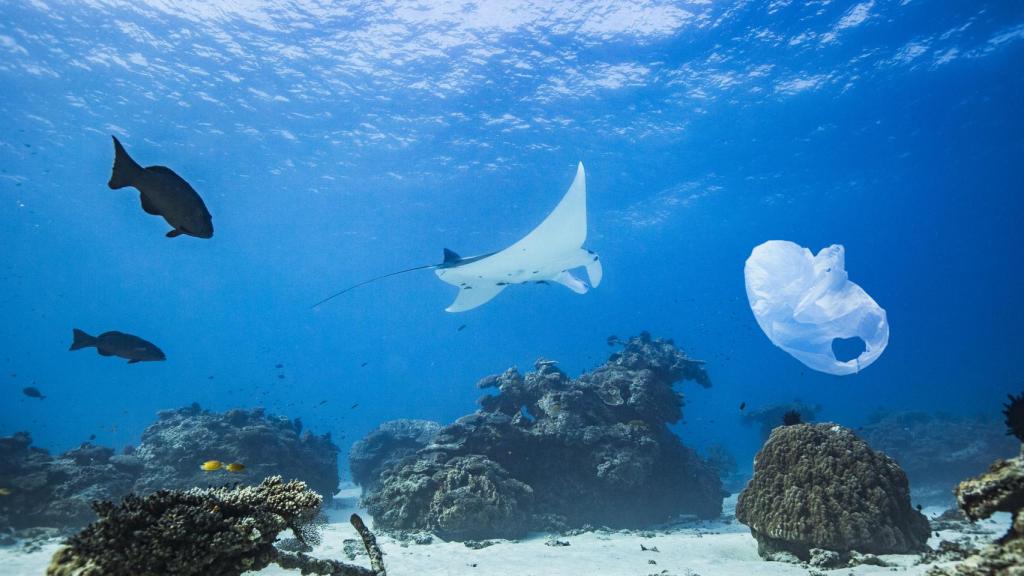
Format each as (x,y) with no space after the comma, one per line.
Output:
(463,498)
(385,446)
(58,491)
(173,447)
(1014,413)
(937,451)
(1001,489)
(223,531)
(820,486)
(551,452)
(767,418)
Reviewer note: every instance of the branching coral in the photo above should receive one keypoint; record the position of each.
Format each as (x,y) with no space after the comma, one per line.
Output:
(224,531)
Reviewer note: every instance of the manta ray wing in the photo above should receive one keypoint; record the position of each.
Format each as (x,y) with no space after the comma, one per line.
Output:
(470,297)
(545,254)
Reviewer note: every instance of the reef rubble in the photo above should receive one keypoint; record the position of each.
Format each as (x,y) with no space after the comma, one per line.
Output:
(819,486)
(57,491)
(548,452)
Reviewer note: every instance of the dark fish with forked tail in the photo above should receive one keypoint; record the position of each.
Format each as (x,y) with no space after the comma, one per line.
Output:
(133,348)
(33,392)
(163,193)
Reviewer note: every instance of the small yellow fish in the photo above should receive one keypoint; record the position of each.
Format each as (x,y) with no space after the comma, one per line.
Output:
(211,465)
(5,491)
(235,467)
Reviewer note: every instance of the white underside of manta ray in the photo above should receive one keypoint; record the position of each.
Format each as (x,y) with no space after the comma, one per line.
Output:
(547,254)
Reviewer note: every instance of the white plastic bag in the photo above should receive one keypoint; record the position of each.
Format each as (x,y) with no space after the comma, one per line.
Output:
(804,302)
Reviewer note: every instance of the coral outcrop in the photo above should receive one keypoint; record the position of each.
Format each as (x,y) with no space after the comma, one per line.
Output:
(223,531)
(551,452)
(173,447)
(820,486)
(937,451)
(385,446)
(57,491)
(1001,489)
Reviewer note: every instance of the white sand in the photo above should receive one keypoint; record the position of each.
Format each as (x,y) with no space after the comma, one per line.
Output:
(720,548)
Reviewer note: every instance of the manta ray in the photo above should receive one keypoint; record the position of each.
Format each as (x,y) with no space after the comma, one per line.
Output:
(547,254)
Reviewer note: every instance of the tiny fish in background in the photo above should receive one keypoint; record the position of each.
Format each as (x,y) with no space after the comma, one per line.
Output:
(33,392)
(235,467)
(114,343)
(211,465)
(354,406)
(743,405)
(613,340)
(461,328)
(363,365)
(163,193)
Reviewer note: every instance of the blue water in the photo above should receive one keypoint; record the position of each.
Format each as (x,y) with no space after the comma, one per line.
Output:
(336,144)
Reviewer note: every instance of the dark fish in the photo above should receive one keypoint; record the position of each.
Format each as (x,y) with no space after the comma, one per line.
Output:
(354,406)
(114,343)
(280,376)
(460,328)
(92,437)
(363,365)
(791,418)
(32,392)
(322,402)
(163,193)
(279,366)
(743,405)
(613,340)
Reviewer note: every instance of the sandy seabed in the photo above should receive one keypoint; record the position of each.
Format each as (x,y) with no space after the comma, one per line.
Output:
(717,548)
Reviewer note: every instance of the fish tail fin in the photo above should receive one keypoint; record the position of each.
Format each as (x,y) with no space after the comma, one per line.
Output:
(81,340)
(125,169)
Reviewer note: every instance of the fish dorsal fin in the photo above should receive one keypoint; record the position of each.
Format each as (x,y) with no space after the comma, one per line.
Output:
(450,257)
(471,296)
(161,170)
(147,205)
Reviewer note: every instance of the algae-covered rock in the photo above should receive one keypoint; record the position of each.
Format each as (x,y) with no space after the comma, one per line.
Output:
(820,486)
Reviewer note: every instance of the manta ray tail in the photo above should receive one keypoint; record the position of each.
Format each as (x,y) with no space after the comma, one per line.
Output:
(374,279)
